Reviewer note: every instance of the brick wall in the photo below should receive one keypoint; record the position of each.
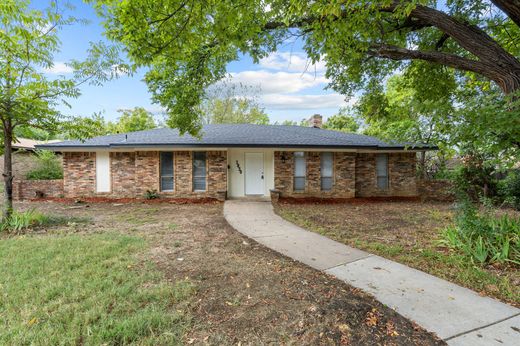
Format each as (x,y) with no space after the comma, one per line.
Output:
(133,173)
(31,189)
(401,171)
(344,175)
(79,174)
(354,175)
(436,190)
(122,172)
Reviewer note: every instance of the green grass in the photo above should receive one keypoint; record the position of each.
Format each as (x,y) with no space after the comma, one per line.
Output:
(86,290)
(21,220)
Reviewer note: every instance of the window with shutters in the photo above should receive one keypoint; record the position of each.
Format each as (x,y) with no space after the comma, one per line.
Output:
(166,166)
(300,171)
(382,171)
(327,160)
(199,171)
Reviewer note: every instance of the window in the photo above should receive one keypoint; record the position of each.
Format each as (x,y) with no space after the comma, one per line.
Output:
(327,160)
(199,171)
(382,171)
(300,171)
(167,171)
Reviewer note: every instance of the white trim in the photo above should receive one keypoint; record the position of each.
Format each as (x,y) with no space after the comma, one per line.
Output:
(103,178)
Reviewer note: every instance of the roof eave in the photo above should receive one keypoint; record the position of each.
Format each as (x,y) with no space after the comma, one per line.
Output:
(228,145)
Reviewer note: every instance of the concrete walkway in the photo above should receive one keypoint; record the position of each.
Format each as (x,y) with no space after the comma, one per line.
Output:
(456,314)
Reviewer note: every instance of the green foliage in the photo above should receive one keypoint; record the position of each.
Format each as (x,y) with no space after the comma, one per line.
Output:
(137,119)
(232,104)
(235,111)
(399,112)
(19,221)
(188,47)
(486,124)
(29,96)
(33,133)
(485,238)
(151,194)
(89,289)
(342,121)
(475,179)
(509,189)
(48,167)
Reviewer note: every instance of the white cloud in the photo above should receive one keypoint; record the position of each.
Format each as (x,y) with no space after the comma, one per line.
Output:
(294,62)
(278,82)
(59,68)
(286,102)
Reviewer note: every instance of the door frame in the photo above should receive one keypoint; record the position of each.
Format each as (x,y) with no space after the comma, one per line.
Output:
(262,171)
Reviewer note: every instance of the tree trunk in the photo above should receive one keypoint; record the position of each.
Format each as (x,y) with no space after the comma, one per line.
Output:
(423,165)
(8,170)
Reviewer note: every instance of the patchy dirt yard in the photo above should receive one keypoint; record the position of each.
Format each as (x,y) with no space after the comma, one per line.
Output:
(246,293)
(406,232)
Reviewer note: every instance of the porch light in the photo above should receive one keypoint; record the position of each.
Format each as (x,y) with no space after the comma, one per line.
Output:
(284,158)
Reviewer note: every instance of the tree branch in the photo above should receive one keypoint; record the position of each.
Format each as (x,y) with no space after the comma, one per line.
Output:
(441,41)
(451,60)
(511,8)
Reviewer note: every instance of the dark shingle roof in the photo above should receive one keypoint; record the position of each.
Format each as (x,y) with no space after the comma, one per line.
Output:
(238,135)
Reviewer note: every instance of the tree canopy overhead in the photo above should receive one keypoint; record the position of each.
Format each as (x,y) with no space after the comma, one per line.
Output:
(187,43)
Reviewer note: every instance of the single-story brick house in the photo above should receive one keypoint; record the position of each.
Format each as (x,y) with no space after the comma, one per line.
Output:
(237,160)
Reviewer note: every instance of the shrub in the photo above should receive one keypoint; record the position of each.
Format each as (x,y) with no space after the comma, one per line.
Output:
(474,181)
(509,189)
(485,238)
(49,167)
(151,194)
(22,220)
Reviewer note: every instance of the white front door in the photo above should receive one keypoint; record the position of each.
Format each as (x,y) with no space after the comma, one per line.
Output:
(254,173)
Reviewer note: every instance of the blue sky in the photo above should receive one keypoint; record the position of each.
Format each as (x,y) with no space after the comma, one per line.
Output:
(288,88)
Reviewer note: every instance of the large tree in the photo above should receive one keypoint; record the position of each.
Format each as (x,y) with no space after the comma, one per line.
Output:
(228,103)
(187,44)
(136,119)
(342,121)
(29,98)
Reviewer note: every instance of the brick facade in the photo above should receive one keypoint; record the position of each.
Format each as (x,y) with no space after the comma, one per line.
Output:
(134,173)
(34,189)
(401,173)
(343,177)
(354,175)
(436,190)
(79,174)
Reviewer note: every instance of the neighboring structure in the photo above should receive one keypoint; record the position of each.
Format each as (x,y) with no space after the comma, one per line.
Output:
(23,158)
(236,160)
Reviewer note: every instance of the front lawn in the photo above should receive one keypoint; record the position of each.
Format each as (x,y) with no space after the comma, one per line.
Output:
(86,289)
(407,232)
(174,274)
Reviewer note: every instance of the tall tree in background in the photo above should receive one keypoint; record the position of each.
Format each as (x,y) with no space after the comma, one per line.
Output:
(28,98)
(188,44)
(399,112)
(343,121)
(136,119)
(228,103)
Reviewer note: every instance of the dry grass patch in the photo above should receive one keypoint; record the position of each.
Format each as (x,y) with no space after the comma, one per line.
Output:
(242,292)
(407,232)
